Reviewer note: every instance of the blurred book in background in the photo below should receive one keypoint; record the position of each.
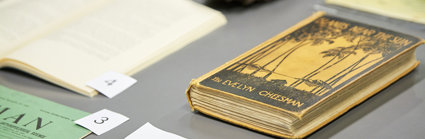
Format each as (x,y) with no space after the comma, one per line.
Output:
(410,10)
(71,42)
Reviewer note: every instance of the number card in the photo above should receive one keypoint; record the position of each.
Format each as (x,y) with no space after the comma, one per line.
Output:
(102,121)
(148,131)
(111,83)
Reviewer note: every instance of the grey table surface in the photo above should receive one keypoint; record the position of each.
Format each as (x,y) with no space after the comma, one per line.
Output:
(398,111)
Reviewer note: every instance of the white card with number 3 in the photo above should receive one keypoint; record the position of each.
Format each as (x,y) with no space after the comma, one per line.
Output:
(111,83)
(102,121)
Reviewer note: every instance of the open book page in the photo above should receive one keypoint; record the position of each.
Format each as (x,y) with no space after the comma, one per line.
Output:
(25,20)
(124,36)
(410,10)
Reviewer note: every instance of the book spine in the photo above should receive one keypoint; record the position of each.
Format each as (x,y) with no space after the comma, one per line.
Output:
(192,83)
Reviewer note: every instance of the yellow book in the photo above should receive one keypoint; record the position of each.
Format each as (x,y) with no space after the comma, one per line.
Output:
(304,77)
(410,10)
(70,42)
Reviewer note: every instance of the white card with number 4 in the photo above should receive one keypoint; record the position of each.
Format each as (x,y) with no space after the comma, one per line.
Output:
(102,121)
(111,83)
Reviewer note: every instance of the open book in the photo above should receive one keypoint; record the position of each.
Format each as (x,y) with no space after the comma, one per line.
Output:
(69,42)
(410,10)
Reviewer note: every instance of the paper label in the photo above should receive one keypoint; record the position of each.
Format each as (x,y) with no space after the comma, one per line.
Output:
(102,121)
(111,83)
(148,131)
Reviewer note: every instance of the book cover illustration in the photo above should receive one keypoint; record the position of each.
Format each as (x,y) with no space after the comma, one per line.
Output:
(23,116)
(295,71)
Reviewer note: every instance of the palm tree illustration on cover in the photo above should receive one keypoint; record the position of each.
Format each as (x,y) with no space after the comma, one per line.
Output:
(319,56)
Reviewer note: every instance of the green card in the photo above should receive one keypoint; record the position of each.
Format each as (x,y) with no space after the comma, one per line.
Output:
(30,117)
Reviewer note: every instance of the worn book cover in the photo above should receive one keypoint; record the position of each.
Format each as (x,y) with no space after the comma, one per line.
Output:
(307,64)
(410,10)
(25,116)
